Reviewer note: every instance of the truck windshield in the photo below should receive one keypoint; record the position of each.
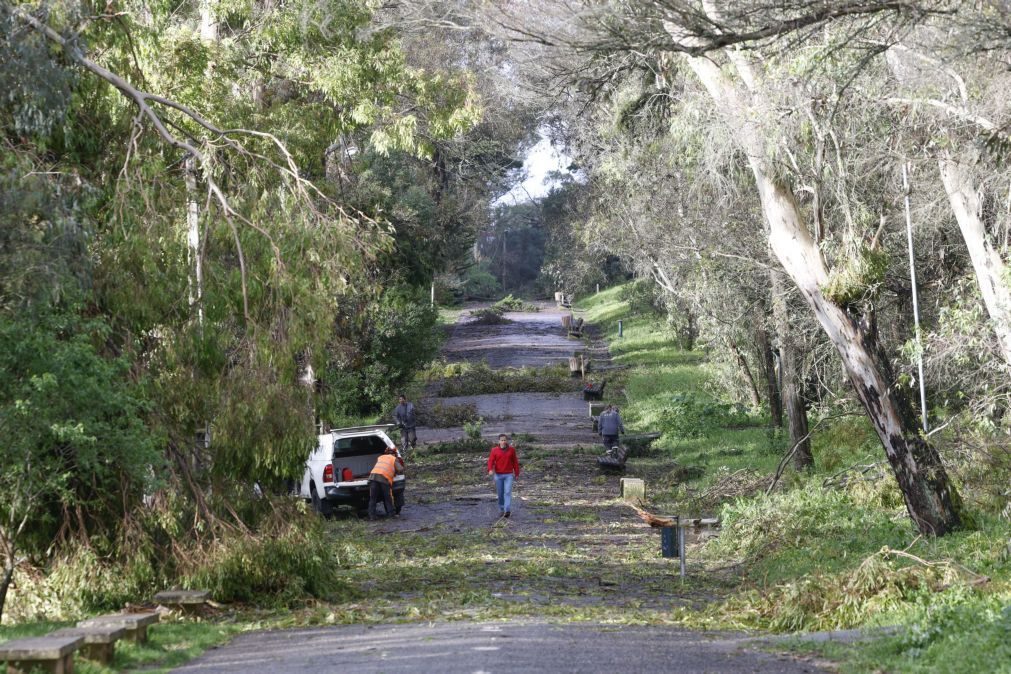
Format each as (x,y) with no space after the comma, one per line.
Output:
(368,444)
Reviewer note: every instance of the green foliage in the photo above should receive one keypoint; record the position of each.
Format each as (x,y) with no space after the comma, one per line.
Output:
(73,424)
(493,315)
(510,303)
(472,429)
(856,276)
(443,415)
(693,415)
(287,563)
(397,334)
(480,284)
(478,379)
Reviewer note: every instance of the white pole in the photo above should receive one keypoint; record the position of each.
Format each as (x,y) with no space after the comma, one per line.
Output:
(916,305)
(433,295)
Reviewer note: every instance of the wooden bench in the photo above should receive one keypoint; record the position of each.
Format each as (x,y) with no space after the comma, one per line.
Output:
(594,391)
(50,653)
(184,600)
(579,364)
(135,624)
(613,459)
(99,640)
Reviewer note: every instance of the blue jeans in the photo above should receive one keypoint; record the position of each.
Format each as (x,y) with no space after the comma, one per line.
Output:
(504,488)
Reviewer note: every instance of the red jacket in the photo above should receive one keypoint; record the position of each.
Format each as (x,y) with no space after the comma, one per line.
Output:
(504,461)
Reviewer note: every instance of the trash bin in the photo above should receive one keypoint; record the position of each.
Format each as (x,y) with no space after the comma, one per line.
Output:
(669,539)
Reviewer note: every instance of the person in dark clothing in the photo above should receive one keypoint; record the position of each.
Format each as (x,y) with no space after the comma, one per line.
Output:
(610,426)
(406,419)
(387,467)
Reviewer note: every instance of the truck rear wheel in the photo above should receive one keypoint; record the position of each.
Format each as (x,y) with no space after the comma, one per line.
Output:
(323,507)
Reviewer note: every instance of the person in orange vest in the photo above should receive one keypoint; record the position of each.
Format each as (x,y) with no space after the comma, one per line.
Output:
(387,467)
(503,467)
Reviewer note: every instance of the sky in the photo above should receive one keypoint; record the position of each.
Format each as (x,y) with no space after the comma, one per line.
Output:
(533,182)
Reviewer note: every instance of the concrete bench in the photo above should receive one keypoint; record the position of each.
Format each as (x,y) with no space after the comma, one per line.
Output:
(184,600)
(99,640)
(633,489)
(136,624)
(182,597)
(50,653)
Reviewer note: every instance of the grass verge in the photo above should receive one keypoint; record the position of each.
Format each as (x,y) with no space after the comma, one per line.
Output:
(833,549)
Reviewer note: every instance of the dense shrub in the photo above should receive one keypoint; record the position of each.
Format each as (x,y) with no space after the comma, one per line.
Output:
(480,284)
(282,565)
(480,379)
(493,315)
(694,415)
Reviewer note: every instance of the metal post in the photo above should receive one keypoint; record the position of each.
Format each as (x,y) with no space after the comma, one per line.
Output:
(916,305)
(619,328)
(598,287)
(681,546)
(433,295)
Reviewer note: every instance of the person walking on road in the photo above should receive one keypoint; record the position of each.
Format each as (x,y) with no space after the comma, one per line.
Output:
(504,467)
(610,426)
(387,467)
(407,421)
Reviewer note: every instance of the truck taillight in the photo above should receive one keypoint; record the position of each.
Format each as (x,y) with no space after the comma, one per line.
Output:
(328,473)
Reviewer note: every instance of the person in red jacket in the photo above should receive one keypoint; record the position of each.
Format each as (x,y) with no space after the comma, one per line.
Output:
(504,467)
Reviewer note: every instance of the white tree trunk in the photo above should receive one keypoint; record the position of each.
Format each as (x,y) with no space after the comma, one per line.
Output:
(930,499)
(196,281)
(986,260)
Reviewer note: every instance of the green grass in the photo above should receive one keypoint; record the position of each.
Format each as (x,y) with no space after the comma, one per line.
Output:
(809,557)
(169,644)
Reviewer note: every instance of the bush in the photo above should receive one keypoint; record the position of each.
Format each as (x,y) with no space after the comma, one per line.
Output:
(480,379)
(510,303)
(281,565)
(472,429)
(694,415)
(440,415)
(493,315)
(480,284)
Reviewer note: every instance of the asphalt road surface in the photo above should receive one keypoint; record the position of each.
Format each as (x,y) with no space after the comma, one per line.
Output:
(492,648)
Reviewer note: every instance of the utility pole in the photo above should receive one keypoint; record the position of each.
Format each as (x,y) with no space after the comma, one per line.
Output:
(916,305)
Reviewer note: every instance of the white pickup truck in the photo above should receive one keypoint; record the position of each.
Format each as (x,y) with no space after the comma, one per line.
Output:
(337,471)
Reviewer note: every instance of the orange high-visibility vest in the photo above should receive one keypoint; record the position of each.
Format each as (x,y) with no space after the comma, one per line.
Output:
(386,466)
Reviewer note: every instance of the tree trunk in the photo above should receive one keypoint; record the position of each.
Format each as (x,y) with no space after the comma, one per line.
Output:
(742,362)
(986,260)
(771,381)
(789,363)
(931,500)
(5,583)
(196,281)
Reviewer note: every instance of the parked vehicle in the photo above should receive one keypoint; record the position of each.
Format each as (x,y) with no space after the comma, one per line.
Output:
(337,471)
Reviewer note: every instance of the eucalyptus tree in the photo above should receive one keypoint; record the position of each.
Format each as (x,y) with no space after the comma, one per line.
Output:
(205,132)
(738,55)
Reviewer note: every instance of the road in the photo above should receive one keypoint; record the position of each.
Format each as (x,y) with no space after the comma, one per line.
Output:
(561,503)
(495,648)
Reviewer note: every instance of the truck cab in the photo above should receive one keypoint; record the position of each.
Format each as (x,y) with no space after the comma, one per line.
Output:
(337,470)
